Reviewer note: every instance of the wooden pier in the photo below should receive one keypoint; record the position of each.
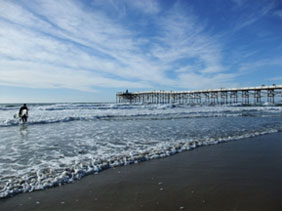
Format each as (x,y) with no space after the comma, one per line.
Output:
(245,96)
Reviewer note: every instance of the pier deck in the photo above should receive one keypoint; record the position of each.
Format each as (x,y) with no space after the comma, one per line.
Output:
(246,95)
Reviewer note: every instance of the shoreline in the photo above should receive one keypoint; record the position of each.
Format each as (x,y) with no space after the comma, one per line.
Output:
(236,175)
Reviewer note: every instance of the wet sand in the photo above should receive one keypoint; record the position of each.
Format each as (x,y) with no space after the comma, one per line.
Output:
(238,175)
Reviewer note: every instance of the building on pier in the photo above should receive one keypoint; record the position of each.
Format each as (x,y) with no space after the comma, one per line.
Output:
(246,96)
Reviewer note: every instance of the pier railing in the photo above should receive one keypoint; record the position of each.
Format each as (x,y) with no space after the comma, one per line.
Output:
(248,95)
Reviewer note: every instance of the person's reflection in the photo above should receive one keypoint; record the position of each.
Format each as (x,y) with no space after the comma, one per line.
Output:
(24,131)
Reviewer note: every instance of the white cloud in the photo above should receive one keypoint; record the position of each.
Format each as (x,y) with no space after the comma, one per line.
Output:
(248,67)
(183,37)
(195,81)
(64,44)
(47,76)
(146,6)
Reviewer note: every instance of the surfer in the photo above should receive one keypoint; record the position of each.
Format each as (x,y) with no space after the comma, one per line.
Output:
(23,113)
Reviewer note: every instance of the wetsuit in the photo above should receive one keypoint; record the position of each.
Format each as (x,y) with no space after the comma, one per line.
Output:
(23,117)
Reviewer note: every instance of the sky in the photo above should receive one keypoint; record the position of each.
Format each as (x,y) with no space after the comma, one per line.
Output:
(87,50)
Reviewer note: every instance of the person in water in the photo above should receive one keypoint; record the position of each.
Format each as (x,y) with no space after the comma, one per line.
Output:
(23,114)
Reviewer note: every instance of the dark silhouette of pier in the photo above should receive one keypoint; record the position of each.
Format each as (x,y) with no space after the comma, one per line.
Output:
(245,96)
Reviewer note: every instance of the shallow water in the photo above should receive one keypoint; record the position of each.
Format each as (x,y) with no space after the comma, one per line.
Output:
(63,142)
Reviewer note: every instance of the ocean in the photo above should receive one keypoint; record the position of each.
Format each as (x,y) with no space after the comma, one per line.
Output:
(63,142)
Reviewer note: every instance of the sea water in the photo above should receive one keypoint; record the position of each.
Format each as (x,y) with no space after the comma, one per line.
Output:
(62,143)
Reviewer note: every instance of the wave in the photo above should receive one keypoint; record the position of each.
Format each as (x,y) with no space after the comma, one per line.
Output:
(141,116)
(97,106)
(62,113)
(137,107)
(108,106)
(45,178)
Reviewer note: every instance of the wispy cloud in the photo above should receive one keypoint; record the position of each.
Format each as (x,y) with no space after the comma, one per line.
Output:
(247,67)
(65,36)
(48,36)
(196,81)
(252,13)
(91,45)
(146,6)
(183,38)
(275,79)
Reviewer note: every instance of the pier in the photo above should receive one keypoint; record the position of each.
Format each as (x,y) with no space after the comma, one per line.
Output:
(245,96)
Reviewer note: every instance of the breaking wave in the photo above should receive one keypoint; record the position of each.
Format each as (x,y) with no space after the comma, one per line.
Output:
(62,143)
(40,179)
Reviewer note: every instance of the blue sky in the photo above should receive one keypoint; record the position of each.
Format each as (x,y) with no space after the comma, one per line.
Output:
(73,51)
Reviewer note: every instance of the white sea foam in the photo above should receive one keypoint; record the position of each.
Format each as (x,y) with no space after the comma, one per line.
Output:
(40,155)
(45,178)
(56,113)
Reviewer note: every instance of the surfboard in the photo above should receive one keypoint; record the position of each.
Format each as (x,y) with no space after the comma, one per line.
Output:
(23,113)
(18,115)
